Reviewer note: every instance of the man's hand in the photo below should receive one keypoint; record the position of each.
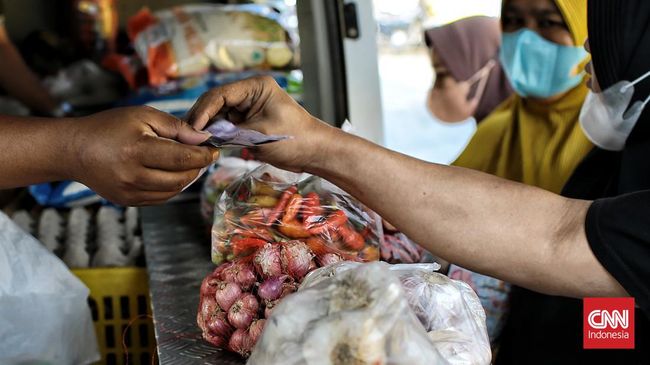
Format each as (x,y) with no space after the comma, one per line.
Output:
(137,155)
(259,103)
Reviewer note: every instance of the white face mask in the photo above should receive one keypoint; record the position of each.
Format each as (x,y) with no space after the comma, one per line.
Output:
(605,117)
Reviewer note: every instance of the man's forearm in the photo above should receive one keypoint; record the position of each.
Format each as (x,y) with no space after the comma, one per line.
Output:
(35,150)
(493,226)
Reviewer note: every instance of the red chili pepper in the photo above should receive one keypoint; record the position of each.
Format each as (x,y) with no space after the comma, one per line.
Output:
(351,238)
(290,226)
(312,210)
(282,203)
(332,223)
(256,217)
(293,229)
(256,232)
(319,247)
(293,207)
(242,246)
(366,232)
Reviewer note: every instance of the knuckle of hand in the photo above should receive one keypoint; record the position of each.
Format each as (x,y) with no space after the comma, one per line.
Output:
(267,80)
(127,181)
(184,159)
(207,158)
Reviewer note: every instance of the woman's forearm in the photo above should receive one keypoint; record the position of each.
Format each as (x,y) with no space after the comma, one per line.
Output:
(514,232)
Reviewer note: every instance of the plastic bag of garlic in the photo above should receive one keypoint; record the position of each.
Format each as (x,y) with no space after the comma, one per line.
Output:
(352,313)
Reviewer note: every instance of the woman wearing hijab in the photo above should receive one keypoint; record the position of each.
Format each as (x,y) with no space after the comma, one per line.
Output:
(619,125)
(534,136)
(468,79)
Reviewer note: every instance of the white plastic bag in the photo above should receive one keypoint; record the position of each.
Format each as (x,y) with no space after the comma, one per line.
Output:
(44,314)
(352,313)
(359,316)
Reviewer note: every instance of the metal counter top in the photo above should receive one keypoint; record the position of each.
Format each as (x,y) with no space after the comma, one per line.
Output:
(177,250)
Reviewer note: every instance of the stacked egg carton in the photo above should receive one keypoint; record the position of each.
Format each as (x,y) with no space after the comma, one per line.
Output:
(86,237)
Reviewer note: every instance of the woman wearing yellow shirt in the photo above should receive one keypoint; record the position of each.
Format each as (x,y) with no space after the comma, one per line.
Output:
(534,136)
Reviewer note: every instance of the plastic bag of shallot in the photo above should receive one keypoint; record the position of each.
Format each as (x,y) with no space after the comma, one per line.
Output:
(271,229)
(376,313)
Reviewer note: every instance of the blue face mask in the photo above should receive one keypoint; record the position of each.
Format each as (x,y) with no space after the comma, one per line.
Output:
(537,67)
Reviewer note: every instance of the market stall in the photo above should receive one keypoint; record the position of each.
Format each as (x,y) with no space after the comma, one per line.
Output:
(214,280)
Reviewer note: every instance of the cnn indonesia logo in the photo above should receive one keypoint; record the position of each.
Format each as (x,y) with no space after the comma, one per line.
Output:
(608,323)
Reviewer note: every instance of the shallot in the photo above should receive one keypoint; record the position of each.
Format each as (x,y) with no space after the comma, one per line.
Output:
(209,285)
(250,303)
(240,342)
(207,306)
(243,311)
(269,305)
(241,274)
(215,340)
(255,330)
(296,258)
(218,324)
(271,288)
(267,261)
(226,294)
(328,259)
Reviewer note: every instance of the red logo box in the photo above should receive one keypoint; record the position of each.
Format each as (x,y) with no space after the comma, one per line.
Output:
(608,323)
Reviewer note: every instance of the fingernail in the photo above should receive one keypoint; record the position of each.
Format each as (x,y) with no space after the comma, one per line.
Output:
(215,155)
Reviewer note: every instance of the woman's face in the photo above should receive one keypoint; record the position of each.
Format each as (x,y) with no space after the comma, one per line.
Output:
(540,16)
(448,98)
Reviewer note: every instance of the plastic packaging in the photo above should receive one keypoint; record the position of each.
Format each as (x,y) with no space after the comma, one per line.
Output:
(44,312)
(187,40)
(65,194)
(272,205)
(222,174)
(374,314)
(494,295)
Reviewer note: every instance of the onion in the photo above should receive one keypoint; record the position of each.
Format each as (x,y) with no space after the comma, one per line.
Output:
(215,340)
(268,307)
(218,272)
(243,311)
(328,259)
(255,330)
(295,257)
(240,342)
(207,306)
(267,261)
(271,288)
(209,285)
(218,325)
(288,288)
(227,294)
(250,303)
(241,274)
(246,277)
